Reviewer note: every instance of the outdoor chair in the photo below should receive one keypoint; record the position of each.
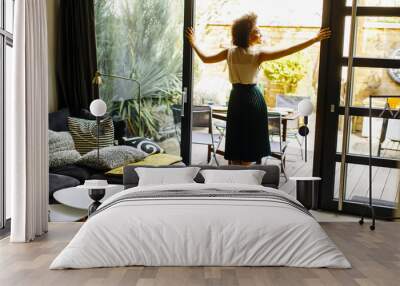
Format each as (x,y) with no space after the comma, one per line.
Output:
(202,118)
(278,147)
(383,138)
(291,101)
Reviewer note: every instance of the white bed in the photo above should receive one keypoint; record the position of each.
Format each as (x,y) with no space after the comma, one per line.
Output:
(201,231)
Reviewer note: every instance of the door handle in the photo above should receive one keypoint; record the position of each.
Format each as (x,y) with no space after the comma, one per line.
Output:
(184,100)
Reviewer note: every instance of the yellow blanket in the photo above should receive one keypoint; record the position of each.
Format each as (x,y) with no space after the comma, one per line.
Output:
(151,160)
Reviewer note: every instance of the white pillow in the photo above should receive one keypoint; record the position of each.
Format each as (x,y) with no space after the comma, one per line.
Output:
(166,176)
(246,177)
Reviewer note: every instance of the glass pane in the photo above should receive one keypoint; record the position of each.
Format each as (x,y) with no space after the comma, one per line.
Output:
(337,181)
(385,137)
(377,37)
(9,13)
(151,55)
(375,3)
(384,184)
(371,81)
(9,56)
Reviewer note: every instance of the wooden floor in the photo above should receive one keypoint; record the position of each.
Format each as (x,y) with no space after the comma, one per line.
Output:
(375,257)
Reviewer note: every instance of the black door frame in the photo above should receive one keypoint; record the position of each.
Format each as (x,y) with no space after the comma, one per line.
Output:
(329,109)
(187,84)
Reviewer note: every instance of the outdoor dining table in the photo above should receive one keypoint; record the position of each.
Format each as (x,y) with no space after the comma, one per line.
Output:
(220,112)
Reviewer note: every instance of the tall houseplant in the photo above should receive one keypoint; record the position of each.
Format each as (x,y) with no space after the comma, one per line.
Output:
(151,55)
(151,118)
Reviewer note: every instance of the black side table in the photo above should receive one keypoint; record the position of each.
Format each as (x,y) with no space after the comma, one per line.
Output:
(96,195)
(307,191)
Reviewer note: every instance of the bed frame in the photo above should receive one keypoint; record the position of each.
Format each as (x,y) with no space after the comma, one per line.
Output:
(271,178)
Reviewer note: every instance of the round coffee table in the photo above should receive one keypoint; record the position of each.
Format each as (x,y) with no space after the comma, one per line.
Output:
(79,198)
(75,202)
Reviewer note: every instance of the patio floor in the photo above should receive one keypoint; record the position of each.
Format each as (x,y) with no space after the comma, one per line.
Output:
(385,185)
(296,167)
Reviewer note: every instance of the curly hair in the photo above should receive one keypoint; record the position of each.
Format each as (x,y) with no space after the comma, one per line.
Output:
(242,28)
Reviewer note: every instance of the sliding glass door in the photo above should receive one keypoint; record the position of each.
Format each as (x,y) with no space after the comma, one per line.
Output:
(6,65)
(143,40)
(363,61)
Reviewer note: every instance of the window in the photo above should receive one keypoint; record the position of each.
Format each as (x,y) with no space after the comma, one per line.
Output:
(153,56)
(6,65)
(372,44)
(376,3)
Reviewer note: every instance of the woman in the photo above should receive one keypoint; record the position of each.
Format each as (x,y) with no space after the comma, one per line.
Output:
(247,137)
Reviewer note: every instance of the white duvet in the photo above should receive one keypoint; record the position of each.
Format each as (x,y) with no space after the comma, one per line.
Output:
(200,232)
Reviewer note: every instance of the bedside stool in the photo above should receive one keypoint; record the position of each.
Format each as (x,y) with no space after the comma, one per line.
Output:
(307,191)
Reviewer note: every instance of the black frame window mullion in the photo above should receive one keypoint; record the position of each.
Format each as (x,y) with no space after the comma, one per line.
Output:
(364,111)
(372,63)
(374,11)
(363,160)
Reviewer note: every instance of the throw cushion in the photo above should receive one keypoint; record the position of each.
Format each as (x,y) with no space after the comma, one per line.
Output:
(80,173)
(61,149)
(166,176)
(58,182)
(151,160)
(144,144)
(84,133)
(246,177)
(112,157)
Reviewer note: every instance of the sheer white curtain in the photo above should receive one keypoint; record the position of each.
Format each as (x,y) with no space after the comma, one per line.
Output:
(26,120)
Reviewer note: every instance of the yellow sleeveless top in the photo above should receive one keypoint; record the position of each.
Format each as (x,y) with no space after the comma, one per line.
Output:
(243,65)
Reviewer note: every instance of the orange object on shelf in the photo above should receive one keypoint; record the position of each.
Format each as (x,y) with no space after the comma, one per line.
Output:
(394,102)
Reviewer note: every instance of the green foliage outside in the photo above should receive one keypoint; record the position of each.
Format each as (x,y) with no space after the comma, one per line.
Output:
(287,71)
(141,40)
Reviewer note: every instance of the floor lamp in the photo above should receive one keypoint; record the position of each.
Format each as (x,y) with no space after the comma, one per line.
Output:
(97,80)
(96,189)
(305,109)
(98,108)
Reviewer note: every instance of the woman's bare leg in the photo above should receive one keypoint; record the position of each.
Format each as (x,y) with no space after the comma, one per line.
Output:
(240,163)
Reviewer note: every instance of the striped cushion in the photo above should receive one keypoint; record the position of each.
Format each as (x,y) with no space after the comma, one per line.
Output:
(84,132)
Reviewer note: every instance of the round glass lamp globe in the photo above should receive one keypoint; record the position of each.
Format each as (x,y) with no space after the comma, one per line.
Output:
(98,107)
(305,107)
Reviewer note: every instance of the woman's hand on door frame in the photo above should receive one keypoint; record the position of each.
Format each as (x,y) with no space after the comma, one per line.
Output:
(190,35)
(323,34)
(205,58)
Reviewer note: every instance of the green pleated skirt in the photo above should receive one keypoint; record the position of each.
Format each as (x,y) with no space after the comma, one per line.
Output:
(247,125)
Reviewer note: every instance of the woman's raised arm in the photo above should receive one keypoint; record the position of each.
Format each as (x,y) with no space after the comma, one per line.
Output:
(323,34)
(208,59)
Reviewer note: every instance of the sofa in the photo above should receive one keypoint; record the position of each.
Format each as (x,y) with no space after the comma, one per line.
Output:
(73,175)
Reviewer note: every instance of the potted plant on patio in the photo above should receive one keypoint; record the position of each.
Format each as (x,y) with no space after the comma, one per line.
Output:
(284,76)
